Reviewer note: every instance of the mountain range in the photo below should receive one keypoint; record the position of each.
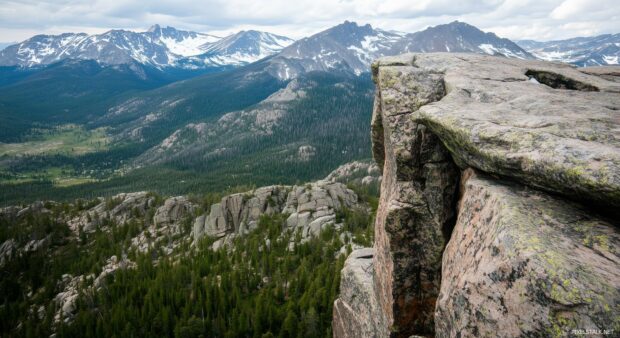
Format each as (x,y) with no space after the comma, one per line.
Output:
(583,51)
(157,47)
(180,111)
(347,46)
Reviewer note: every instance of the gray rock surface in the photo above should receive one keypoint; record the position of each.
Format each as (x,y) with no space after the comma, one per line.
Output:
(8,248)
(356,172)
(418,192)
(173,211)
(356,308)
(239,213)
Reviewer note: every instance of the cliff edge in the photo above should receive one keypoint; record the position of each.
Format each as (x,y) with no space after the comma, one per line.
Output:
(499,201)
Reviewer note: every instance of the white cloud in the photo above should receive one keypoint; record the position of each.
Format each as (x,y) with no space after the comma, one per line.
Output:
(515,19)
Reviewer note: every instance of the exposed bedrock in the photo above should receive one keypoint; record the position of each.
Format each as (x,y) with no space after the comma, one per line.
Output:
(532,236)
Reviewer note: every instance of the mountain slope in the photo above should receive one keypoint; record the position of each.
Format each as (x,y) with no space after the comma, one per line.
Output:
(582,52)
(179,42)
(153,115)
(347,47)
(458,37)
(70,91)
(244,47)
(314,124)
(99,267)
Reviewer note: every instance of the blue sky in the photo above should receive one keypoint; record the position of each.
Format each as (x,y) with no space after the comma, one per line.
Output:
(514,19)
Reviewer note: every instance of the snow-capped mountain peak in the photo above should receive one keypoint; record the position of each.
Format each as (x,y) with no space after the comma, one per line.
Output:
(459,37)
(179,42)
(351,47)
(160,47)
(347,46)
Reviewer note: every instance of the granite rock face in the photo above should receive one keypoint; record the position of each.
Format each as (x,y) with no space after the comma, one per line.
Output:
(534,257)
(524,263)
(173,211)
(418,194)
(239,213)
(356,172)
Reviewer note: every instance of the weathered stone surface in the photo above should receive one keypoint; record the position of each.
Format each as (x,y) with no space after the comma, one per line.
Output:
(8,248)
(356,309)
(523,263)
(314,206)
(239,213)
(356,172)
(494,119)
(73,286)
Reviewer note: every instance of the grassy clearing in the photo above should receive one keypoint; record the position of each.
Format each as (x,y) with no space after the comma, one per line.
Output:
(59,177)
(67,139)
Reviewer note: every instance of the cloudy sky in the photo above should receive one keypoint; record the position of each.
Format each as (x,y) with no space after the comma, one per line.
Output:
(514,19)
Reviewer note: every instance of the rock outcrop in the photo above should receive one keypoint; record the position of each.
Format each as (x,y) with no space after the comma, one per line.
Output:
(310,209)
(239,213)
(356,172)
(515,166)
(120,209)
(173,211)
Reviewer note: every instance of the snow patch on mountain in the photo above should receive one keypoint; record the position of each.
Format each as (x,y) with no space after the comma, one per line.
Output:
(190,46)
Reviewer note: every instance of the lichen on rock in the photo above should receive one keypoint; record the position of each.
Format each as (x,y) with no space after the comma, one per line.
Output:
(522,262)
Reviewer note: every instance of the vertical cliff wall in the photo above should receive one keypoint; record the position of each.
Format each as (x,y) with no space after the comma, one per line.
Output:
(498,214)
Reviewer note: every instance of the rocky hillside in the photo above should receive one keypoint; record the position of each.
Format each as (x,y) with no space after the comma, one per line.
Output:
(497,213)
(59,261)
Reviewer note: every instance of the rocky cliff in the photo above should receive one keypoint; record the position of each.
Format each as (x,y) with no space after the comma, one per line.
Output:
(497,216)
